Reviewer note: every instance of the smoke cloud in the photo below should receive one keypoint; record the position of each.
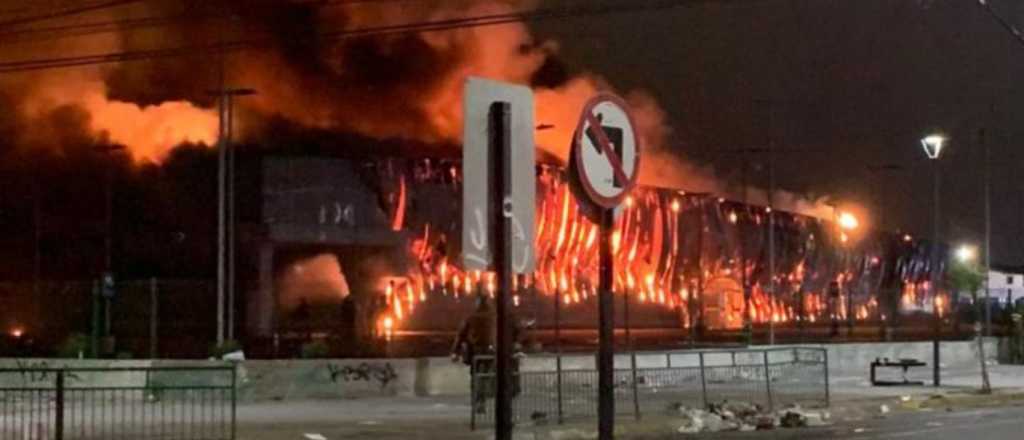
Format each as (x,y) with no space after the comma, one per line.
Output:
(398,86)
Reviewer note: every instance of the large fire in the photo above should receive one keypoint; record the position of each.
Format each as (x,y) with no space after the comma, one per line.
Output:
(685,252)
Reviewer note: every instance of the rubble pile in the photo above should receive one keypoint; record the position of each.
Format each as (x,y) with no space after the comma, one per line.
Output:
(743,416)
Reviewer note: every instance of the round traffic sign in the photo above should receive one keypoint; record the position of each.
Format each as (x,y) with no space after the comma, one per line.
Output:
(607,157)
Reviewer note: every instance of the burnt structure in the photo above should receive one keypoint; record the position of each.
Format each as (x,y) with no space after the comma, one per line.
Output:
(684,261)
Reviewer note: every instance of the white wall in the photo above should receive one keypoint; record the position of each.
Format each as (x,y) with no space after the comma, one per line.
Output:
(999,283)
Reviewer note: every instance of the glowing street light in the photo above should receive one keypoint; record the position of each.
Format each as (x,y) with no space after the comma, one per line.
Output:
(933,144)
(848,221)
(966,253)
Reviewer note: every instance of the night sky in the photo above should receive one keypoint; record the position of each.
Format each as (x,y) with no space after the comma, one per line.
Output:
(840,86)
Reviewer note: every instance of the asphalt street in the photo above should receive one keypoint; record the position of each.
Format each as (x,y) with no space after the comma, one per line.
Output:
(974,424)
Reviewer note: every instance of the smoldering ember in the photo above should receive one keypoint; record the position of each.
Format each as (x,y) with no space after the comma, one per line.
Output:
(196,191)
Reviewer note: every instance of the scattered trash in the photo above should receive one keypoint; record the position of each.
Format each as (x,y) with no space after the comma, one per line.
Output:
(934,424)
(884,409)
(859,430)
(314,436)
(904,398)
(369,423)
(741,416)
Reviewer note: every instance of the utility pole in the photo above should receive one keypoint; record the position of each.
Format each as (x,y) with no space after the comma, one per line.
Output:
(225,211)
(988,231)
(771,224)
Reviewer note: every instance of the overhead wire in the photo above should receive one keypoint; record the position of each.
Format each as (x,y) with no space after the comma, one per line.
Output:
(340,35)
(67,12)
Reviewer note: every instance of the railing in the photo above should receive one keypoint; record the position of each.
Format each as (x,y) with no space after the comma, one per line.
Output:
(555,389)
(109,403)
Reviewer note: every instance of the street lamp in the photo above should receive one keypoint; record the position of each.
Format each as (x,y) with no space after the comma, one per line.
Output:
(933,147)
(966,253)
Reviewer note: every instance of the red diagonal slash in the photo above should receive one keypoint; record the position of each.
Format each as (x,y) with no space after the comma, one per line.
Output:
(605,146)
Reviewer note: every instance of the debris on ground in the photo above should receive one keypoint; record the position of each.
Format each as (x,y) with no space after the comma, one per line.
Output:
(743,416)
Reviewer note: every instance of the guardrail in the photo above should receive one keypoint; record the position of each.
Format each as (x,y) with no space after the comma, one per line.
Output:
(105,403)
(548,391)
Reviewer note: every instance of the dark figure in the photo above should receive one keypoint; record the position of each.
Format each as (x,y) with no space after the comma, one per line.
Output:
(475,344)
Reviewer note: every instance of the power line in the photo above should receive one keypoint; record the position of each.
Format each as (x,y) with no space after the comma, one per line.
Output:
(1002,21)
(111,26)
(335,36)
(67,12)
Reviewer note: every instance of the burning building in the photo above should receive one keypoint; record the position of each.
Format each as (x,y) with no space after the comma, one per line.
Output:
(683,260)
(374,235)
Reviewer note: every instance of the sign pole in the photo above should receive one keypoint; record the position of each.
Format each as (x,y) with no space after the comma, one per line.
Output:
(606,351)
(501,212)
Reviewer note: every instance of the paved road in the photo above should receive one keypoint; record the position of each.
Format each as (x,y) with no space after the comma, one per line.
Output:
(984,424)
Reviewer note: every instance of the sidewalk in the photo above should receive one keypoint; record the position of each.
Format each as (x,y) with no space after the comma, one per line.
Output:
(448,417)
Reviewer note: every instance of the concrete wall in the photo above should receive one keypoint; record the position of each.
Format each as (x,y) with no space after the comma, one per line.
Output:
(262,380)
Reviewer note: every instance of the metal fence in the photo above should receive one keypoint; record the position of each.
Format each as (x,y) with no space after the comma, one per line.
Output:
(559,388)
(117,403)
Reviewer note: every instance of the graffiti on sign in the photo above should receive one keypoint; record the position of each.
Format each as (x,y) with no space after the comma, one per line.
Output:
(364,372)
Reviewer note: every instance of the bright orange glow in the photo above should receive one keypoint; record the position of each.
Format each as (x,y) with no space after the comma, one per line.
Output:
(675,206)
(17,332)
(848,222)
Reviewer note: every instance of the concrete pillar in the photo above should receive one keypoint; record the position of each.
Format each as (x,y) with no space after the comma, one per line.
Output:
(262,304)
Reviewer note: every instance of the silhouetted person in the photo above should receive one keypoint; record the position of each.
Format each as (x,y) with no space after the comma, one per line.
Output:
(477,337)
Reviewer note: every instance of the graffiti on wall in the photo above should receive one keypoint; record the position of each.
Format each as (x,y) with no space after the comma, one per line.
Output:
(382,374)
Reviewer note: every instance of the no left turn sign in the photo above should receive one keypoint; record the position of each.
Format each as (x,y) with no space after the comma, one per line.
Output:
(606,151)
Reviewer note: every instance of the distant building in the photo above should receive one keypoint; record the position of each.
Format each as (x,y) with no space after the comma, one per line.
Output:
(1006,283)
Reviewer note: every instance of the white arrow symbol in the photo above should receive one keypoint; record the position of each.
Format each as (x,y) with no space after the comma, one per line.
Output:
(479,235)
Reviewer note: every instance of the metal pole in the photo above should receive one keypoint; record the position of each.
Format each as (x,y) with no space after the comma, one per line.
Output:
(154,316)
(699,323)
(768,381)
(94,343)
(748,325)
(558,351)
(230,226)
(59,407)
(221,217)
(109,216)
(771,227)
(703,380)
(606,349)
(988,234)
(500,126)
(629,344)
(935,279)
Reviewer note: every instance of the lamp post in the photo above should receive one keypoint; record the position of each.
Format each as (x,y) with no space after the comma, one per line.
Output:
(933,146)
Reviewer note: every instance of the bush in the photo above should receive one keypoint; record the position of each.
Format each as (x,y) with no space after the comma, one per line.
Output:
(229,345)
(315,350)
(74,345)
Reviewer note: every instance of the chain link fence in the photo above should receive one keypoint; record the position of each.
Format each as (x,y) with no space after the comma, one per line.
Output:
(560,388)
